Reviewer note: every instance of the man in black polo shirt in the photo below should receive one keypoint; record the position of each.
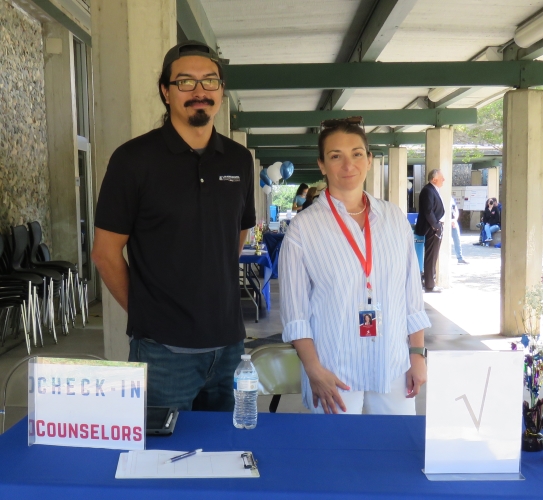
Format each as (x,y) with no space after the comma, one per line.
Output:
(181,199)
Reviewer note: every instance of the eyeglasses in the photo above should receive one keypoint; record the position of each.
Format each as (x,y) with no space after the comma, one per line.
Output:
(336,122)
(190,84)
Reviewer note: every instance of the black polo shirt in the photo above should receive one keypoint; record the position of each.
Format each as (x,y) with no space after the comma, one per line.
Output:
(183,213)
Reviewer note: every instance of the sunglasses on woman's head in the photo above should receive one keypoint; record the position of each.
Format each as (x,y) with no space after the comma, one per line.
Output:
(336,122)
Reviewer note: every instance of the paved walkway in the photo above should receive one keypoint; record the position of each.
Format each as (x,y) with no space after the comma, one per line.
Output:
(472,302)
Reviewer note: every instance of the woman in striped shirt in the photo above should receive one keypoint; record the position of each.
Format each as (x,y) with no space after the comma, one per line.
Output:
(329,281)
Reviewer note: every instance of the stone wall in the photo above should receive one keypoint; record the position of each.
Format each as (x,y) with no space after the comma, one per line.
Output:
(24,173)
(461,173)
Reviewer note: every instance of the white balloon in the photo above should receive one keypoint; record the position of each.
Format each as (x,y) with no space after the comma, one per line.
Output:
(274,172)
(266,189)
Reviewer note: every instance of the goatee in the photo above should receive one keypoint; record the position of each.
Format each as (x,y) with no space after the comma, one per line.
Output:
(199,119)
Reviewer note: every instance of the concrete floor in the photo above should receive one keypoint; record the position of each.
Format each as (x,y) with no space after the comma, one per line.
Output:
(464,317)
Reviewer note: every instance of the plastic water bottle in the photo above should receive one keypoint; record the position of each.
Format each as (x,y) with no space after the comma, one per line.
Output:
(245,394)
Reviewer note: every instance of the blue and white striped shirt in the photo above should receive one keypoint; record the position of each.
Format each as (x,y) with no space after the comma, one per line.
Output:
(322,287)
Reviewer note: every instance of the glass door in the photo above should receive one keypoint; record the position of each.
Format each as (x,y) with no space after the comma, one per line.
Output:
(84,179)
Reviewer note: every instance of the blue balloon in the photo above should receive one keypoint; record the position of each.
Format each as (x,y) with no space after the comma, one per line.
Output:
(264,177)
(262,183)
(287,169)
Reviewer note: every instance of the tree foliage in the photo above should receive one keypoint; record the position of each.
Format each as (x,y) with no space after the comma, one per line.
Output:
(487,132)
(282,196)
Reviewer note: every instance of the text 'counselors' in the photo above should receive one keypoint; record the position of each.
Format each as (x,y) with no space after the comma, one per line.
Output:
(72,430)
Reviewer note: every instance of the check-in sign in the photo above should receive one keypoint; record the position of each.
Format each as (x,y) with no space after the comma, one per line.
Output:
(474,412)
(87,403)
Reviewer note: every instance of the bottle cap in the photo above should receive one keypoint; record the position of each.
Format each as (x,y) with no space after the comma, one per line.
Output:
(246,357)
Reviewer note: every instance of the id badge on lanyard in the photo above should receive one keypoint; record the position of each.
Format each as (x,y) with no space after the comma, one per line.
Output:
(369,315)
(369,320)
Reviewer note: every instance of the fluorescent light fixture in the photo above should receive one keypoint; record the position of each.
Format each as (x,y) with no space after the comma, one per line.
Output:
(439,93)
(530,32)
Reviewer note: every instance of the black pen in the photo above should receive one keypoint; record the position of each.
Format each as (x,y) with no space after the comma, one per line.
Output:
(184,455)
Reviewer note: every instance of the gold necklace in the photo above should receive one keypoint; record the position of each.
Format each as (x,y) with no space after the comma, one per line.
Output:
(358,213)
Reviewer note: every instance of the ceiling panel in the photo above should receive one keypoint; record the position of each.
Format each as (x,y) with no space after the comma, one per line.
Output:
(440,30)
(282,31)
(278,100)
(384,98)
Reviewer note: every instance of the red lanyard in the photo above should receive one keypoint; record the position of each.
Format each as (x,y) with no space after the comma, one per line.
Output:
(366,264)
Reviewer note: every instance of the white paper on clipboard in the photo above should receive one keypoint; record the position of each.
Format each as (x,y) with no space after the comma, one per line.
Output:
(152,464)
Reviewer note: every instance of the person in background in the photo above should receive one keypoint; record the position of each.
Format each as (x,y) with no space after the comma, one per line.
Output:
(430,225)
(491,218)
(330,254)
(455,232)
(310,196)
(299,199)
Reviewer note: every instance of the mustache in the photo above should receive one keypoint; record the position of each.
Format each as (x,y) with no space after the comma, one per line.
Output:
(211,102)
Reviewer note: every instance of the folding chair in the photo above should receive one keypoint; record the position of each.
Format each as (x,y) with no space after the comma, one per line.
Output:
(279,371)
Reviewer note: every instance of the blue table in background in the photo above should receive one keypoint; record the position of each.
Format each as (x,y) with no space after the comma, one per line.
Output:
(273,243)
(300,456)
(260,289)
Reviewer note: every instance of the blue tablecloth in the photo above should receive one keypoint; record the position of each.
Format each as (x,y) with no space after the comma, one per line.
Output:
(273,243)
(299,456)
(266,266)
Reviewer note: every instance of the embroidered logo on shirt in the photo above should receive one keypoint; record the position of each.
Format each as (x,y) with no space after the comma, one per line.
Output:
(230,178)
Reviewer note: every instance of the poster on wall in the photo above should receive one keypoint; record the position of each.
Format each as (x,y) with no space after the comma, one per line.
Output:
(86,403)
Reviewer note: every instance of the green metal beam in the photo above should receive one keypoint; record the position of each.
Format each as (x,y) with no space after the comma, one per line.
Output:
(432,117)
(521,74)
(385,19)
(286,153)
(294,140)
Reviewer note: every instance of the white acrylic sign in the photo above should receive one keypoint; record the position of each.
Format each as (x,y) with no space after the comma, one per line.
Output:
(474,412)
(87,403)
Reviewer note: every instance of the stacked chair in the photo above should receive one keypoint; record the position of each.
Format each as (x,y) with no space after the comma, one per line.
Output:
(40,258)
(23,289)
(31,286)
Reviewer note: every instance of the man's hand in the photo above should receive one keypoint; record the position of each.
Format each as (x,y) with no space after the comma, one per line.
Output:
(453,224)
(416,375)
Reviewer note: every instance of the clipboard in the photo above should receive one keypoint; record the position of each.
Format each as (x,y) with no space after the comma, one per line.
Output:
(152,464)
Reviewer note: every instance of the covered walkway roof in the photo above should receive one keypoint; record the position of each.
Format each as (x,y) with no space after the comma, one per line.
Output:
(293,63)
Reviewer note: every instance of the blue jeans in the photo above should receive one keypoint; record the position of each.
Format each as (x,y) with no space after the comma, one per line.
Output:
(489,230)
(198,382)
(455,233)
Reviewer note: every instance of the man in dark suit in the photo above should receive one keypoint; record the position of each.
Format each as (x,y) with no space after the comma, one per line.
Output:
(430,225)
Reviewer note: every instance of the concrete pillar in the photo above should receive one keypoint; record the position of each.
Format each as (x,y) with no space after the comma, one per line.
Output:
(62,142)
(222,119)
(259,194)
(493,183)
(373,178)
(126,67)
(239,137)
(397,177)
(384,179)
(439,153)
(261,199)
(522,215)
(418,183)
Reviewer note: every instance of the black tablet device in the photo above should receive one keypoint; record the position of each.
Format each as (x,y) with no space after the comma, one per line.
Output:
(161,420)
